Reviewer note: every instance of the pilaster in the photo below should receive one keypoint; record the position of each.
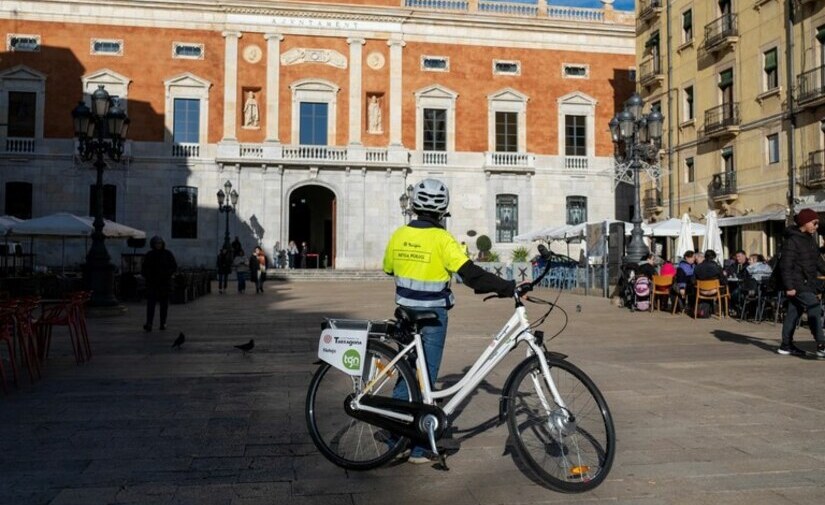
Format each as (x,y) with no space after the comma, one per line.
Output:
(230,85)
(396,47)
(355,103)
(273,80)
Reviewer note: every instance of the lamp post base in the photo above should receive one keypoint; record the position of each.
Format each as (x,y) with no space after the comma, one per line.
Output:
(99,278)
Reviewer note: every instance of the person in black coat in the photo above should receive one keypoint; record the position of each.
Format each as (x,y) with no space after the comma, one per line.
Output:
(254,270)
(647,266)
(158,267)
(709,269)
(799,266)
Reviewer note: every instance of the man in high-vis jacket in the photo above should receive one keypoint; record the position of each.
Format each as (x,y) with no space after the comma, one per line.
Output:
(423,256)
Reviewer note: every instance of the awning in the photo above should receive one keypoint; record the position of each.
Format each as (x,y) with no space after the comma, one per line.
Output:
(752,218)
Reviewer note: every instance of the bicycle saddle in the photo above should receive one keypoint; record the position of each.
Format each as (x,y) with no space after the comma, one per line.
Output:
(409,315)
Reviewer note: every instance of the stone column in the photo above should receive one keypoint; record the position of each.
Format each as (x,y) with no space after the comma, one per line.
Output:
(273,80)
(230,86)
(355,102)
(395,91)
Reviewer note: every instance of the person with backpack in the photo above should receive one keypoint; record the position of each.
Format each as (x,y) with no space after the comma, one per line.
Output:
(799,266)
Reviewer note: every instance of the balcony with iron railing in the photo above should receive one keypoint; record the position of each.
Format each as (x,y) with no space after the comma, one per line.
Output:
(650,71)
(721,33)
(509,162)
(723,186)
(652,201)
(810,87)
(813,170)
(722,120)
(186,150)
(649,9)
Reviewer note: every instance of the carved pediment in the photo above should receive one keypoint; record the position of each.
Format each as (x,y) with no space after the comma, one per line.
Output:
(106,76)
(436,91)
(187,80)
(508,95)
(298,55)
(22,73)
(577,98)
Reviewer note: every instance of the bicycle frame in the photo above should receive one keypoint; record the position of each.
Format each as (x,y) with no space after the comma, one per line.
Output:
(515,331)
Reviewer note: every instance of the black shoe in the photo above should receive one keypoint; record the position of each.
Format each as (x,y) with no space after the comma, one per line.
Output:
(163,327)
(820,350)
(147,328)
(790,350)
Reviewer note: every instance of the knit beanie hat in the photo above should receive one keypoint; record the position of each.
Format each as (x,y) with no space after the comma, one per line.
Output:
(805,216)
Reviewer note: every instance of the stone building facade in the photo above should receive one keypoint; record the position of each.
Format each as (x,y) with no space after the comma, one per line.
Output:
(320,114)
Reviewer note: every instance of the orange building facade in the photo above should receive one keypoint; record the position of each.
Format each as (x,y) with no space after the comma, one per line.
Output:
(320,114)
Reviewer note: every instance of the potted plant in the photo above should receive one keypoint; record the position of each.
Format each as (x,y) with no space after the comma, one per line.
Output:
(487,259)
(521,268)
(483,244)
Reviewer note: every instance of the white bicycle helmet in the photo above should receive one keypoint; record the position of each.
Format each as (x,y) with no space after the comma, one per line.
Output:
(431,195)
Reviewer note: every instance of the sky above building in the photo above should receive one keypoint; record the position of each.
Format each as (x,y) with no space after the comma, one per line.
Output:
(622,5)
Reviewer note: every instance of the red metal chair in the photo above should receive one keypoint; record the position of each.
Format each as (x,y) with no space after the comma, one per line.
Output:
(7,336)
(59,314)
(79,300)
(26,338)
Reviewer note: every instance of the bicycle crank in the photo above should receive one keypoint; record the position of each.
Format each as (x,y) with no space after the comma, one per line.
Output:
(416,430)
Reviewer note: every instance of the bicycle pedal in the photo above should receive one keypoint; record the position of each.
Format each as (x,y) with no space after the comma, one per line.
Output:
(442,463)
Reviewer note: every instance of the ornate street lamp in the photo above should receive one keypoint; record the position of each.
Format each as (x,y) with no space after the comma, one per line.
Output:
(100,131)
(229,207)
(636,138)
(404,202)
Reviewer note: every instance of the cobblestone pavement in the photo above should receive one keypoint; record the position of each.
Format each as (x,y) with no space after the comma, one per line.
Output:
(705,411)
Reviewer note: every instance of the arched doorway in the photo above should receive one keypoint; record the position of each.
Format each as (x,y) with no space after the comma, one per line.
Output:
(312,220)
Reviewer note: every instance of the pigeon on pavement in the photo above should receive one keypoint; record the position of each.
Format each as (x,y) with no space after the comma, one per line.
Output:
(247,346)
(179,341)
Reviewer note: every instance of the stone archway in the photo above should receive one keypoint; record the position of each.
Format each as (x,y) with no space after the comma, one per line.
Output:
(312,220)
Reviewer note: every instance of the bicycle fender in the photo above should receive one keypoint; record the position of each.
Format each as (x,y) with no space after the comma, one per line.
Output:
(502,402)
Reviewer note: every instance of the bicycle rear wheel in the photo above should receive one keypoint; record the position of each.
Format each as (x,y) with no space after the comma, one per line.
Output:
(569,455)
(344,440)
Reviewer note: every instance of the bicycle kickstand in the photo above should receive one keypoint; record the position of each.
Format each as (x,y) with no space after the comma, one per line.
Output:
(430,424)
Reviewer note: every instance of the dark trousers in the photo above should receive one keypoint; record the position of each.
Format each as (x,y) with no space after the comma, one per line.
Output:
(241,282)
(154,297)
(223,279)
(804,301)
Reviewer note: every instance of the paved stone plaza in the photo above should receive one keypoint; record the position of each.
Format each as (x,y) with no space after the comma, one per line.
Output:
(705,412)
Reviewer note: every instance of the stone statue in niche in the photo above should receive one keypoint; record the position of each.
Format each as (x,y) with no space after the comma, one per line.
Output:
(374,116)
(250,111)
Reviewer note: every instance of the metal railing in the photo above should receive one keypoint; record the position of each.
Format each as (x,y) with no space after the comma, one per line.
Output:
(718,30)
(721,117)
(811,84)
(325,153)
(813,171)
(19,145)
(649,7)
(449,5)
(576,162)
(650,68)
(186,150)
(653,198)
(723,184)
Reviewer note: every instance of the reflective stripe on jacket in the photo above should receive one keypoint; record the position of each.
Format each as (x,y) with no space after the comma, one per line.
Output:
(423,256)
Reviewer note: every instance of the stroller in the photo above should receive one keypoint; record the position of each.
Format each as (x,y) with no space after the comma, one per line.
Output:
(641,293)
(625,285)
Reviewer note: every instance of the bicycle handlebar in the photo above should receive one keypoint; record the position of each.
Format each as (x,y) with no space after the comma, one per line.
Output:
(526,288)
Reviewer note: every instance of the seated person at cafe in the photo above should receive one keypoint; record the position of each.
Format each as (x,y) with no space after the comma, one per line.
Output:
(738,268)
(647,266)
(668,270)
(758,269)
(684,273)
(709,268)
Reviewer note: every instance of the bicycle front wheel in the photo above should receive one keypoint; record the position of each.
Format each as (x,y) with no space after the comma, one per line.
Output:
(570,449)
(342,439)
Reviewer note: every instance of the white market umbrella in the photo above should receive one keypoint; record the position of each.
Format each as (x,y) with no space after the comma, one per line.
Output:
(713,235)
(673,228)
(685,241)
(6,223)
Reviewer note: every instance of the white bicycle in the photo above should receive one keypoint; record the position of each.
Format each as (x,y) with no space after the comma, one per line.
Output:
(557,418)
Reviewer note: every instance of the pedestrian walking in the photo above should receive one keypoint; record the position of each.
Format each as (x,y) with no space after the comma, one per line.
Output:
(158,267)
(224,266)
(259,285)
(237,248)
(799,266)
(254,269)
(304,251)
(241,267)
(292,253)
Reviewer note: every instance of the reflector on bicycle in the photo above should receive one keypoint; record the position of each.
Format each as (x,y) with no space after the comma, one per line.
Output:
(579,471)
(344,345)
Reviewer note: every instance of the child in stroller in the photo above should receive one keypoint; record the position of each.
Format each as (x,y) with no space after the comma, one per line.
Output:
(634,290)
